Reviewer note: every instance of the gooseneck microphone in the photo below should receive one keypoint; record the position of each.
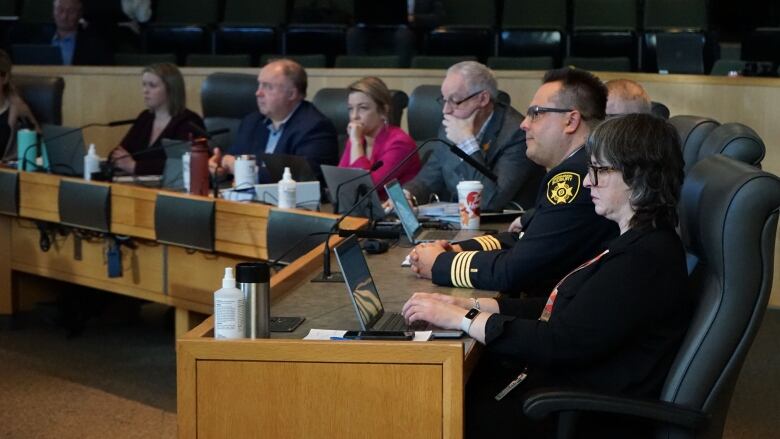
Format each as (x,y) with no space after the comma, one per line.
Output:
(327,275)
(112,160)
(39,140)
(336,198)
(470,160)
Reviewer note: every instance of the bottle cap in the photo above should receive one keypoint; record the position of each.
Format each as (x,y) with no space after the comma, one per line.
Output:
(228,281)
(252,272)
(287,174)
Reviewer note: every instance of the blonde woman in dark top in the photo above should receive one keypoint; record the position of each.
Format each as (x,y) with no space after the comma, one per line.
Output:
(165,117)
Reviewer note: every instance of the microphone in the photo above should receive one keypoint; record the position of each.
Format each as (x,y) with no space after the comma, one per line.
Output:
(39,140)
(336,198)
(474,164)
(327,275)
(200,132)
(111,160)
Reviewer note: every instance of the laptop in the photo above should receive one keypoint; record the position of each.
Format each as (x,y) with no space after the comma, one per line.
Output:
(299,167)
(65,149)
(365,297)
(414,230)
(350,193)
(173,172)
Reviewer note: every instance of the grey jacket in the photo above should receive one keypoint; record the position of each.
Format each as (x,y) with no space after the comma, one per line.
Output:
(518,177)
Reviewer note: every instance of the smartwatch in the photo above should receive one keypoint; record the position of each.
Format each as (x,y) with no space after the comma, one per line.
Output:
(468,320)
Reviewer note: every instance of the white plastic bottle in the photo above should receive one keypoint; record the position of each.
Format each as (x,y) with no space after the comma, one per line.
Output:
(287,196)
(91,162)
(229,309)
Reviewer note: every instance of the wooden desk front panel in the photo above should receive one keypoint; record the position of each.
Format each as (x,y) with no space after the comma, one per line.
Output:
(142,267)
(39,196)
(298,388)
(194,276)
(239,399)
(132,211)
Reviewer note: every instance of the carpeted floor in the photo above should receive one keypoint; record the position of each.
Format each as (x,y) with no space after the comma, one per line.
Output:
(118,380)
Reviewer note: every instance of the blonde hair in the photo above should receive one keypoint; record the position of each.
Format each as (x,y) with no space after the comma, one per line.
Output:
(377,90)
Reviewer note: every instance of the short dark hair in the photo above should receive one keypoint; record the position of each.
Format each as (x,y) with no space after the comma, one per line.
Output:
(582,91)
(174,85)
(646,149)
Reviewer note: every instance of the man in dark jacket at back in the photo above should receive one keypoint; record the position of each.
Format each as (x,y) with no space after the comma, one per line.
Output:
(78,46)
(285,123)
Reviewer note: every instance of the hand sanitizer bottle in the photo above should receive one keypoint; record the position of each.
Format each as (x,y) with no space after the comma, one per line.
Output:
(287,197)
(91,162)
(229,309)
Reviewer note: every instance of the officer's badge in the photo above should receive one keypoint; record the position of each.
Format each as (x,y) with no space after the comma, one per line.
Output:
(563,187)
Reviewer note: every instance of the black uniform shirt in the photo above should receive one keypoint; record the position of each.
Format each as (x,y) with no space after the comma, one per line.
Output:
(564,231)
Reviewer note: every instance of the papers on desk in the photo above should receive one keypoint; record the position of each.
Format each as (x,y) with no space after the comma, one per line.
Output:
(330,334)
(438,209)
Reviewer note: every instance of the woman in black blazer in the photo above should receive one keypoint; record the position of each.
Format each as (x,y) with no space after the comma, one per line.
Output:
(614,324)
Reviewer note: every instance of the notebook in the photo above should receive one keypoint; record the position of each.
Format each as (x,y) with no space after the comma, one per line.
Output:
(365,296)
(414,230)
(65,148)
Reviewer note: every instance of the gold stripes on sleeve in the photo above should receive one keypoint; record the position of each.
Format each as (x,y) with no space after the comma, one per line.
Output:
(488,242)
(461,268)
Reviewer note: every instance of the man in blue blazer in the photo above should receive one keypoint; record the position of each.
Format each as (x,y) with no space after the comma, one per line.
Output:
(285,123)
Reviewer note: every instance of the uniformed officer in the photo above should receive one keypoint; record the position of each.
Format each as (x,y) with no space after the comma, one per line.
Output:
(564,229)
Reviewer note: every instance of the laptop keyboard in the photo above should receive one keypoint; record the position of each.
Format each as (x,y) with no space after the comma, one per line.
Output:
(396,322)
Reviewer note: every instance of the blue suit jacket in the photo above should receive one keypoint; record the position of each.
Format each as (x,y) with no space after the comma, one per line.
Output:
(308,133)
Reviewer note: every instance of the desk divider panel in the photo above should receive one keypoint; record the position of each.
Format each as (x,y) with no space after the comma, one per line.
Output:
(184,221)
(287,229)
(9,193)
(85,205)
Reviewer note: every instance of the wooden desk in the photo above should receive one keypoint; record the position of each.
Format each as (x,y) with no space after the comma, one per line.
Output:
(167,274)
(285,387)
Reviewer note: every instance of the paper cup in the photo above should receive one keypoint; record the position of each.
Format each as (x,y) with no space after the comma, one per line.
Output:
(245,172)
(469,198)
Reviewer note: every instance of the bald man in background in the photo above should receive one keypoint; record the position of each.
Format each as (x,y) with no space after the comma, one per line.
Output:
(625,97)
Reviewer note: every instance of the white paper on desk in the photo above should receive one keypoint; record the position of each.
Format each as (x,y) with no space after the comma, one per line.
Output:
(422,335)
(438,209)
(324,334)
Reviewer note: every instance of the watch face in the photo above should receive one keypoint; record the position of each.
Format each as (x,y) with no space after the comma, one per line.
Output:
(472,313)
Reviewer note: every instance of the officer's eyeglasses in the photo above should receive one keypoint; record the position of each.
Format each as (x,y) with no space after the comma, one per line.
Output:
(456,103)
(594,171)
(535,111)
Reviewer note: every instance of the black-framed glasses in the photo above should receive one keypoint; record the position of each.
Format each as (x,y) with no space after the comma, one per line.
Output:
(453,103)
(595,170)
(534,111)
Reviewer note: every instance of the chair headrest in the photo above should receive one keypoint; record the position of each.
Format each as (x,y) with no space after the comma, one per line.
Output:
(735,140)
(692,130)
(229,95)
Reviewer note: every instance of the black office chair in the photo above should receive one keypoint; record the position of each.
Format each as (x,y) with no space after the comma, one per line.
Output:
(44,96)
(729,213)
(226,98)
(660,110)
(734,140)
(692,130)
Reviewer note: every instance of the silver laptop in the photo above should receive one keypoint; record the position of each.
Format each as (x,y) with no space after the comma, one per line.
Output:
(414,230)
(65,149)
(365,296)
(354,183)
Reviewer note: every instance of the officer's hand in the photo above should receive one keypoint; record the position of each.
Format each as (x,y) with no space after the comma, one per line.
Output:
(422,258)
(516,226)
(429,308)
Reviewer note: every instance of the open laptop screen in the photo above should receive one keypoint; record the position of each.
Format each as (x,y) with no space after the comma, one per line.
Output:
(402,208)
(360,284)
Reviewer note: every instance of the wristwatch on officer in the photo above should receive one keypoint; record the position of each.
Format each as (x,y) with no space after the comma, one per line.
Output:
(468,320)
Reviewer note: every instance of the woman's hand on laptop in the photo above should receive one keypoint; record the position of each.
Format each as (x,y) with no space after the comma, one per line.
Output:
(437,309)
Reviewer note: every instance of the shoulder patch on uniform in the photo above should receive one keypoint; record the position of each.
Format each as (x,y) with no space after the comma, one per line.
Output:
(563,187)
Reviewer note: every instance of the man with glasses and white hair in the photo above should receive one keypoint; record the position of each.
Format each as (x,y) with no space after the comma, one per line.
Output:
(486,130)
(564,229)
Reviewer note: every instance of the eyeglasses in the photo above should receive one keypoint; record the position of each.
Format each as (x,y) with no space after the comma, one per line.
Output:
(453,103)
(594,171)
(535,110)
